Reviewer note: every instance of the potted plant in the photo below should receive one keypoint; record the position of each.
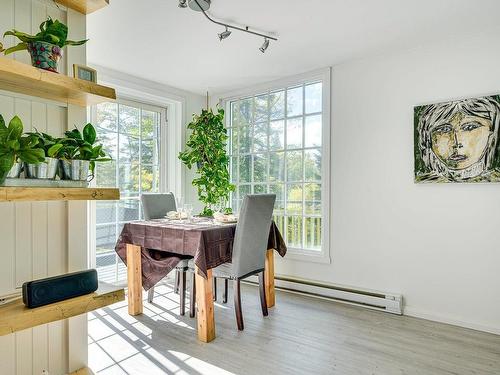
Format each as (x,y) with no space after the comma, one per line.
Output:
(46,46)
(206,149)
(14,147)
(48,168)
(78,153)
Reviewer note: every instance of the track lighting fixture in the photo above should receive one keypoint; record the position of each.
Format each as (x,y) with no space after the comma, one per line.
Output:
(264,45)
(224,34)
(204,5)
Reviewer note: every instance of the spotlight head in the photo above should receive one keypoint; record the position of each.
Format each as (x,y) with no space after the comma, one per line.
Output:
(182,4)
(224,34)
(264,45)
(199,5)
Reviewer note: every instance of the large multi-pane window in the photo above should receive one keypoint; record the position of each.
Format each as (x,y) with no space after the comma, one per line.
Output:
(130,132)
(275,146)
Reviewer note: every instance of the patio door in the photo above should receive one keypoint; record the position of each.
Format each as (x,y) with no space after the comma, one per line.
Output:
(132,134)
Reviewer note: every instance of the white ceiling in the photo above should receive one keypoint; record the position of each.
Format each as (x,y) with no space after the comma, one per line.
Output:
(156,40)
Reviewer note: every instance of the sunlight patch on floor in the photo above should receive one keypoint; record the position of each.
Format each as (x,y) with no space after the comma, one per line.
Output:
(121,344)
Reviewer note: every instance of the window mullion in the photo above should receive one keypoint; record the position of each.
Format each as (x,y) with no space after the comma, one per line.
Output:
(117,177)
(268,136)
(303,241)
(139,167)
(285,168)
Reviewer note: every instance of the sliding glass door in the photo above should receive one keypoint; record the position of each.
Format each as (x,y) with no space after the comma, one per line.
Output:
(131,133)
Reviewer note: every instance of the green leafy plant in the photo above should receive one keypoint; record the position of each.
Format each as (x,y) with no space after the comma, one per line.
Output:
(78,145)
(206,149)
(48,143)
(14,146)
(54,32)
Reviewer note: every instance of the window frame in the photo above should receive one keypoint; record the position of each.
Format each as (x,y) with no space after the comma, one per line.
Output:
(163,165)
(323,75)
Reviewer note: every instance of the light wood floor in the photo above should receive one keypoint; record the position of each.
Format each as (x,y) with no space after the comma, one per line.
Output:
(302,335)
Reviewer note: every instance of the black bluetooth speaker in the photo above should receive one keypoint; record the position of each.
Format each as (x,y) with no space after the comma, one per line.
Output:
(42,292)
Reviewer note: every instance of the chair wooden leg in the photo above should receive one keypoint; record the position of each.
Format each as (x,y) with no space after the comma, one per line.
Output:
(151,293)
(176,282)
(237,305)
(224,295)
(215,289)
(262,289)
(182,289)
(192,300)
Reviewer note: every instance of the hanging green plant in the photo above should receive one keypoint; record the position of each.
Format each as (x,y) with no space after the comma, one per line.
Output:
(206,149)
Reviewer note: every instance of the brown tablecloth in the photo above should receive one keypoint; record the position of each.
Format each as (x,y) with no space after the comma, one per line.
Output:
(165,243)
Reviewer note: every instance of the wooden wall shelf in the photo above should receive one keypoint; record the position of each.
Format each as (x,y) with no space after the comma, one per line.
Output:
(25,79)
(84,6)
(15,316)
(83,371)
(17,194)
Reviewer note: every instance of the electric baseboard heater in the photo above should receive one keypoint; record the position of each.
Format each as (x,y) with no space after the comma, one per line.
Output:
(381,301)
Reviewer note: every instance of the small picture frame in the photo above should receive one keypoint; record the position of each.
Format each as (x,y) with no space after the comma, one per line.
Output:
(85,73)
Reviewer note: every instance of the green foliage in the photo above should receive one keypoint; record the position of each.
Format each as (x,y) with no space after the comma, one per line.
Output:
(54,32)
(14,146)
(78,145)
(48,143)
(206,149)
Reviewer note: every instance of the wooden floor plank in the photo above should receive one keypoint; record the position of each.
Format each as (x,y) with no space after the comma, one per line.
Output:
(301,335)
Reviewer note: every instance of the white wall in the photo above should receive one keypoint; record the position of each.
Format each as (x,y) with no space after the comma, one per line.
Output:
(34,237)
(435,244)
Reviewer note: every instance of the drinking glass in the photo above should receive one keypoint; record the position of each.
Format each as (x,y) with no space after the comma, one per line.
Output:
(188,209)
(178,202)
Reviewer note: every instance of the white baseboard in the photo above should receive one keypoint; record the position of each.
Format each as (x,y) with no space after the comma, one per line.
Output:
(417,313)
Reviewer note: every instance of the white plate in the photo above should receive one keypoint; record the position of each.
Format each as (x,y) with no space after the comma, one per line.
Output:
(227,221)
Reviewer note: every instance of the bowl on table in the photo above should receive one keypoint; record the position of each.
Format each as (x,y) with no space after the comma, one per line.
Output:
(176,215)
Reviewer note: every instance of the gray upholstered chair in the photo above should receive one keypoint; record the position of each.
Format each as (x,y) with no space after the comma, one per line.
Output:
(156,206)
(249,250)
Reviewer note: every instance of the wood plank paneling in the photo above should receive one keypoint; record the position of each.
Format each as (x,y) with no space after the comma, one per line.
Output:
(39,239)
(7,210)
(22,21)
(33,236)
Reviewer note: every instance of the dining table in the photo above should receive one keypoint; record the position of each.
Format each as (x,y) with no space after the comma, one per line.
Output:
(152,248)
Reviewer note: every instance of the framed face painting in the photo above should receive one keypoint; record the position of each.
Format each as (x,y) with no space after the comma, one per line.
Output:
(457,141)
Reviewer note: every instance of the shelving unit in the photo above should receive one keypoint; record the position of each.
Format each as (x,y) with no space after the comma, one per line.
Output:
(25,79)
(15,316)
(19,194)
(84,6)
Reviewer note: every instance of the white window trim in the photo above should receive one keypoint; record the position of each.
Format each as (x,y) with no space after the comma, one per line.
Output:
(324,75)
(132,88)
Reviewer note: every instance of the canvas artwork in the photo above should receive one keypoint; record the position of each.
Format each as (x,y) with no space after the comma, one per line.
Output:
(457,141)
